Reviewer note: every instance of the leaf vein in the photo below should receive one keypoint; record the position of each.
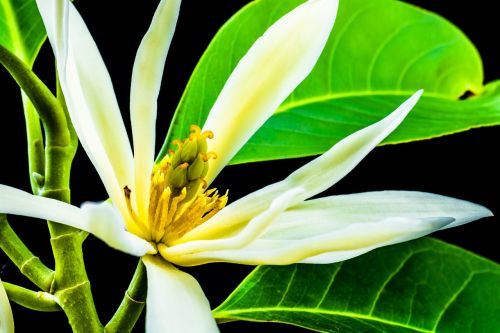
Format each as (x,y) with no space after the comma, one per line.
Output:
(292,276)
(236,314)
(455,296)
(330,284)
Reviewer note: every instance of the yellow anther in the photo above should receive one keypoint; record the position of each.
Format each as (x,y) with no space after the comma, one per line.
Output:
(127,192)
(135,217)
(195,129)
(209,155)
(174,209)
(177,143)
(179,200)
(160,216)
(208,135)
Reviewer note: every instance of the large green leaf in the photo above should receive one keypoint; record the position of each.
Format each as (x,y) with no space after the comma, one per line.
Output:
(380,52)
(21,28)
(420,286)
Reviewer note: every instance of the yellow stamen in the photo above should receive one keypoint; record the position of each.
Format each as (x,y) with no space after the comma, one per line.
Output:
(179,200)
(195,129)
(135,218)
(209,155)
(208,134)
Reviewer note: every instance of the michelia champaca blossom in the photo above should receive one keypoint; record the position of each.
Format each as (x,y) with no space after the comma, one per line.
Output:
(168,214)
(6,320)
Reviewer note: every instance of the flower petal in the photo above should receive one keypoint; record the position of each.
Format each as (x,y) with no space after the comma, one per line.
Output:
(266,75)
(89,96)
(101,220)
(340,227)
(175,301)
(6,318)
(146,81)
(327,169)
(314,177)
(253,229)
(341,211)
(104,221)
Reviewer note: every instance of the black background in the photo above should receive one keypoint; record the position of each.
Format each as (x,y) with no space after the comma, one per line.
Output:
(463,166)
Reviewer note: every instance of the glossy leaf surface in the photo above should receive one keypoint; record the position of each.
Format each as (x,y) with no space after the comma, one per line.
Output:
(21,28)
(420,286)
(379,53)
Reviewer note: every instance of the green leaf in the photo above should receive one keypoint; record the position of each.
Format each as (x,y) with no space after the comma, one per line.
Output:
(22,33)
(379,53)
(22,30)
(314,127)
(420,286)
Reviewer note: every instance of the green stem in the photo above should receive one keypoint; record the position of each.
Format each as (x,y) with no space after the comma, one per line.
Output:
(29,264)
(48,107)
(71,286)
(36,150)
(132,304)
(38,301)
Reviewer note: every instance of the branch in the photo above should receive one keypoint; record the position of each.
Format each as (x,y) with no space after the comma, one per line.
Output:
(132,304)
(71,286)
(29,264)
(48,107)
(38,301)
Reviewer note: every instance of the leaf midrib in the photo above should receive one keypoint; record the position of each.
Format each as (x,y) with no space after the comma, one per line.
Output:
(13,29)
(228,314)
(286,106)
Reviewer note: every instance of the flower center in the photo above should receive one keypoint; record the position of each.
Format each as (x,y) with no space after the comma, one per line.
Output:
(178,200)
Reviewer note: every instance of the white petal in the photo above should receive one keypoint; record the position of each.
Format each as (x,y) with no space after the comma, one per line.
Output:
(266,75)
(6,318)
(252,230)
(90,97)
(338,212)
(61,12)
(104,221)
(55,18)
(17,202)
(354,239)
(337,256)
(101,220)
(341,227)
(146,82)
(315,177)
(175,302)
(327,169)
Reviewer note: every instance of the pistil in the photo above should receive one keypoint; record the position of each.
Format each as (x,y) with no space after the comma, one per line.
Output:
(178,200)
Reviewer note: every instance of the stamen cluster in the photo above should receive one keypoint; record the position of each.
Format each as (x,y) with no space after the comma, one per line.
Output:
(178,200)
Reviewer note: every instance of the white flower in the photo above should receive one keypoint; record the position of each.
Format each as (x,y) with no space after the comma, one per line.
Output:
(6,320)
(164,213)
